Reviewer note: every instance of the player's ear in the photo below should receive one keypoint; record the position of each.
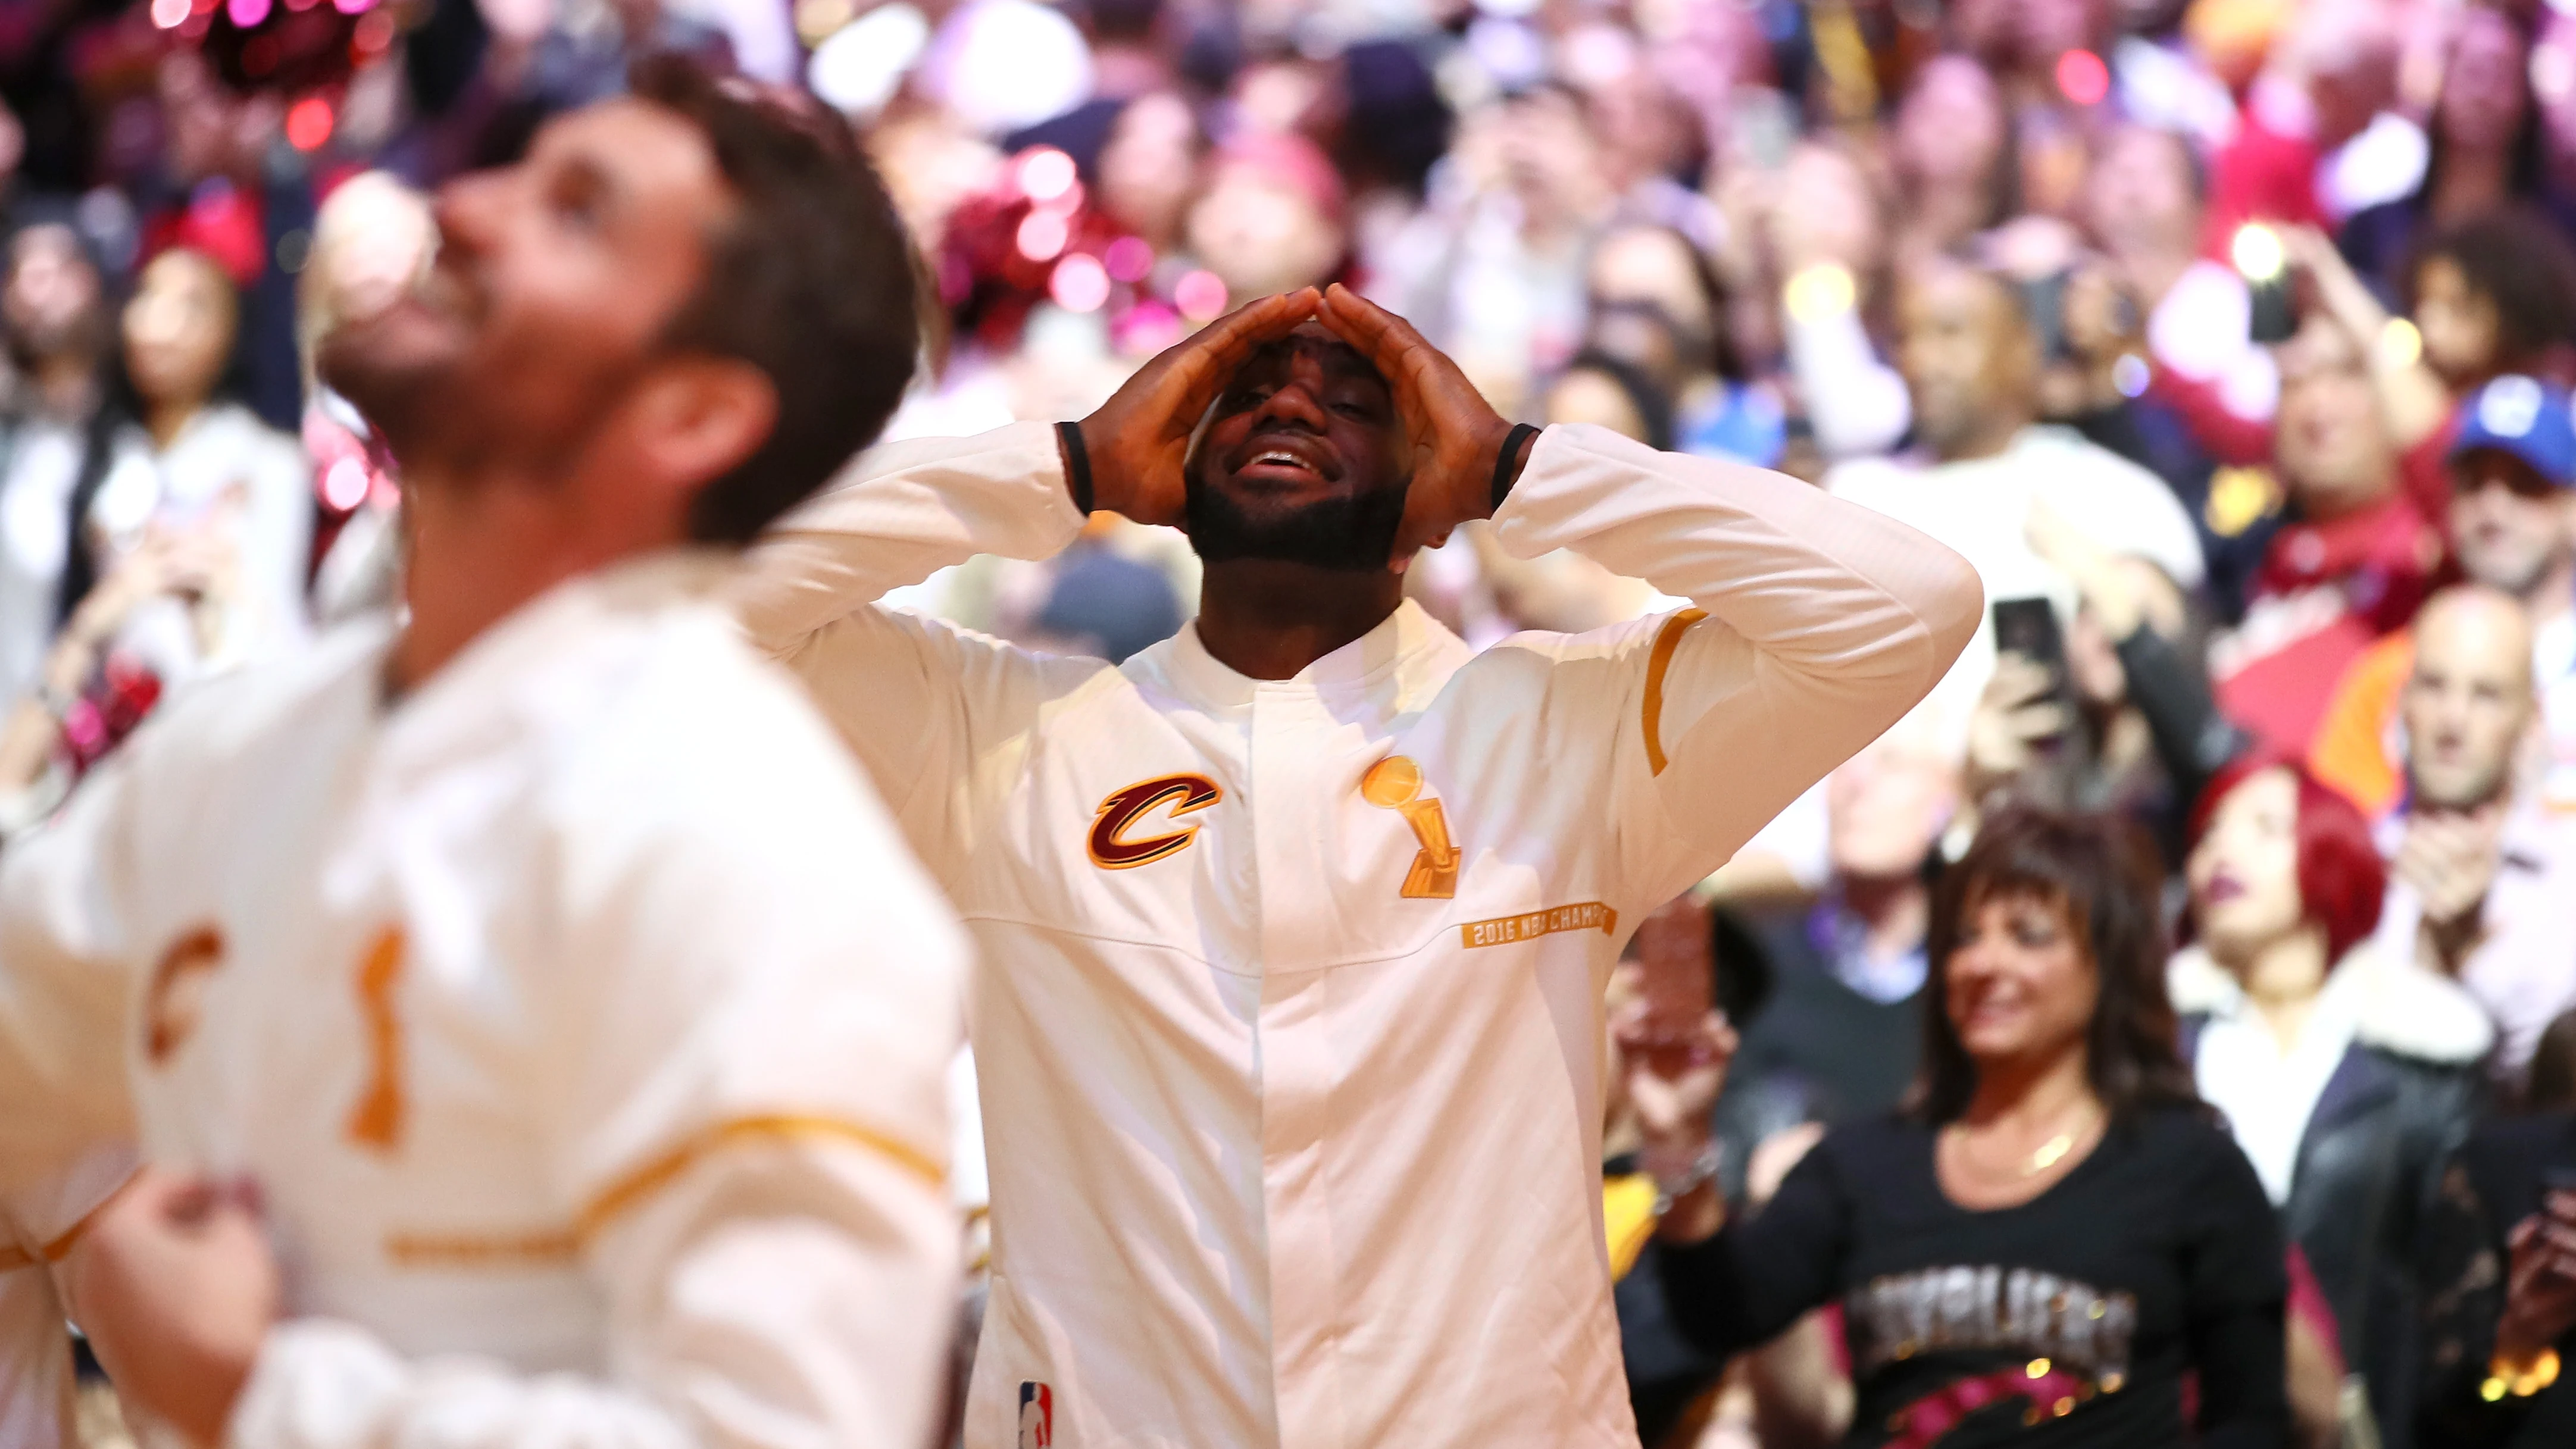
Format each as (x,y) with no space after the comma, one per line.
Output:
(702,416)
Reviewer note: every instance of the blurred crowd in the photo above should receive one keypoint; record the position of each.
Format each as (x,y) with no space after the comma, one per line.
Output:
(2230,340)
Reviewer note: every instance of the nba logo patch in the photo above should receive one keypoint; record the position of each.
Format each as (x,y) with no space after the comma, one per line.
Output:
(1037,1415)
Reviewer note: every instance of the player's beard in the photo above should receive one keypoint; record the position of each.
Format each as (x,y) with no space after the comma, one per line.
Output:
(1352,532)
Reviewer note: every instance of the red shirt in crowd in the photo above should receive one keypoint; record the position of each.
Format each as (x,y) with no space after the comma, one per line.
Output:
(2324,593)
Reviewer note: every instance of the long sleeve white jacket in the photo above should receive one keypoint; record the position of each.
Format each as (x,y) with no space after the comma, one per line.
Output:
(1289,1024)
(580,1017)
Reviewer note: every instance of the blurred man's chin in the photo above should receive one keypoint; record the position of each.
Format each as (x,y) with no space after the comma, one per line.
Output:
(401,384)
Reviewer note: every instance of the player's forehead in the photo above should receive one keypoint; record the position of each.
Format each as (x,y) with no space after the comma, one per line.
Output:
(641,162)
(1339,360)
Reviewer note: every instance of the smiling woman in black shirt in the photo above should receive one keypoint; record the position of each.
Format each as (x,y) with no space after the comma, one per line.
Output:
(2057,1239)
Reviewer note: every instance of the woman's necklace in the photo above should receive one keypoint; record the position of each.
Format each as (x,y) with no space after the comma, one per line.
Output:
(2052,1152)
(2048,1154)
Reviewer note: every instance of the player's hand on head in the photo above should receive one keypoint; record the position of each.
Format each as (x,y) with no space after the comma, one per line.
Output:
(1455,435)
(173,1283)
(1139,439)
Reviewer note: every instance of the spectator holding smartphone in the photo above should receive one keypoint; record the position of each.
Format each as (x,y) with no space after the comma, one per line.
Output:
(2354,566)
(2500,1252)
(1971,358)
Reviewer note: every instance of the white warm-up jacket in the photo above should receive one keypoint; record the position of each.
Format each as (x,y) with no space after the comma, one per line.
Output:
(580,1018)
(1289,1021)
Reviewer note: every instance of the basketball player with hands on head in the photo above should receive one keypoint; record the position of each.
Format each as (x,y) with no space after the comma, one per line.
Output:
(533,1029)
(1295,926)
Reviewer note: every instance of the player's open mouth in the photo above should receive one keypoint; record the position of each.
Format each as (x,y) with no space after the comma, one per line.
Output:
(1284,460)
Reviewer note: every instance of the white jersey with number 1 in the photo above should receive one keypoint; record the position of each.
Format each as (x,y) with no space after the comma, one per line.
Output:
(1289,1019)
(580,1019)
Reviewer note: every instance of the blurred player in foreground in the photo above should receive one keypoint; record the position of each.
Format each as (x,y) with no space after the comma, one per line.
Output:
(531,1026)
(1297,924)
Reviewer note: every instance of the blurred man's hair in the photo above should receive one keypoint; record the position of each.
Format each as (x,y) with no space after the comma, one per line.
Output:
(812,281)
(1973,258)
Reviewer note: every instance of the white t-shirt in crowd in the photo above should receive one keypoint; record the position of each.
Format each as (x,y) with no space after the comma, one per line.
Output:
(1981,506)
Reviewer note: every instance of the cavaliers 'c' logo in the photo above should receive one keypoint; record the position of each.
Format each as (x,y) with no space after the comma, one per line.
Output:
(1111,849)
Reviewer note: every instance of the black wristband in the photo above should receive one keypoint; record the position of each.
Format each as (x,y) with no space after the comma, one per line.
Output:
(1504,475)
(1077,466)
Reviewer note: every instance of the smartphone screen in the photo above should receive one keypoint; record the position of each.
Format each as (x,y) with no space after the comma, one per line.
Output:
(1677,968)
(2028,627)
(2273,311)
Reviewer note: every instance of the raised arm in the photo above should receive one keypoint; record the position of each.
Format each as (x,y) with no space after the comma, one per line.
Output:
(1816,623)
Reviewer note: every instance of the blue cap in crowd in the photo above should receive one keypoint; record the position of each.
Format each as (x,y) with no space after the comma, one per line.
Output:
(2525,417)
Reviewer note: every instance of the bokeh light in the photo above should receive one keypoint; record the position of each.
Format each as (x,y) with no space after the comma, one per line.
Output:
(2400,344)
(2083,78)
(1046,174)
(1080,283)
(1129,259)
(1200,296)
(817,19)
(2256,250)
(1823,290)
(858,68)
(344,486)
(1042,234)
(308,123)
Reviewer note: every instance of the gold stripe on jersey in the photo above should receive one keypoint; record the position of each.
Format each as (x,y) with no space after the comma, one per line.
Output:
(506,1250)
(1658,660)
(469,1250)
(633,1188)
(1504,930)
(377,1121)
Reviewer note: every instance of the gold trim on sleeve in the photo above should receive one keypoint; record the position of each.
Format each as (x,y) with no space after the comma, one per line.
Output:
(526,1249)
(1658,660)
(643,1182)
